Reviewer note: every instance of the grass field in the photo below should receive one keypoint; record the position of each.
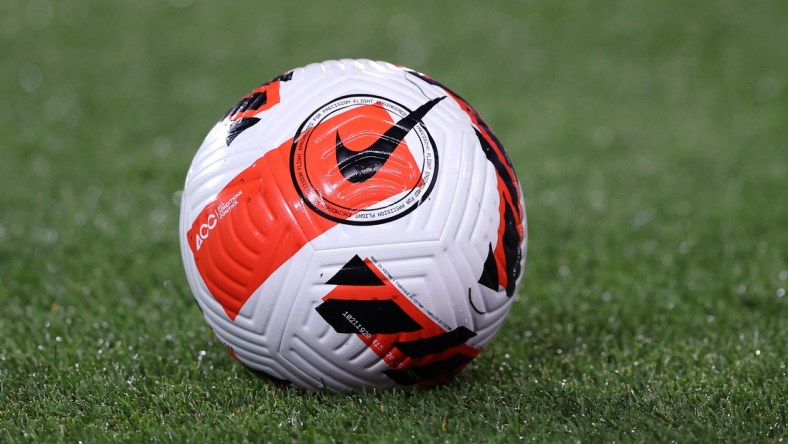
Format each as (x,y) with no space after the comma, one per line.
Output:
(652,143)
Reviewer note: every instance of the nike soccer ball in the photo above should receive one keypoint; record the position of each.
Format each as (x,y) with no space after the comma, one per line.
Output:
(353,224)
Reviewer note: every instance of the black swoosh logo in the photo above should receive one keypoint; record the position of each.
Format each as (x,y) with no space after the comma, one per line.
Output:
(359,166)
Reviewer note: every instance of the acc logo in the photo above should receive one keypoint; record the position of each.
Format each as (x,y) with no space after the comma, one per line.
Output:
(205,230)
(364,159)
(202,228)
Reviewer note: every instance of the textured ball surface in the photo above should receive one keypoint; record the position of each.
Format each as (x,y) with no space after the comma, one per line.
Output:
(353,224)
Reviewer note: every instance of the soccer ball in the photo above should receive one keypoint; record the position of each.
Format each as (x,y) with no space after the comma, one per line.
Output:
(353,224)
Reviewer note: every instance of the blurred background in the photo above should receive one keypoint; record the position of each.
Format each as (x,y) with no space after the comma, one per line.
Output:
(651,139)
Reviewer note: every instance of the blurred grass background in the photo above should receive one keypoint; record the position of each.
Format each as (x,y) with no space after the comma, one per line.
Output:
(652,144)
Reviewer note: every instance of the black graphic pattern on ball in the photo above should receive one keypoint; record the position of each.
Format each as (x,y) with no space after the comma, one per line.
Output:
(253,102)
(384,316)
